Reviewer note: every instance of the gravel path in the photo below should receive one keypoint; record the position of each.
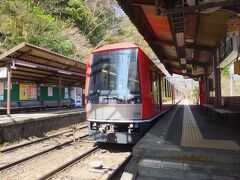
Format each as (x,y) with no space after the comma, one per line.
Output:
(37,167)
(107,160)
(9,157)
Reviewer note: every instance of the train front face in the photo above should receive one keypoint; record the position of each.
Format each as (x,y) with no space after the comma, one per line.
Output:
(113,98)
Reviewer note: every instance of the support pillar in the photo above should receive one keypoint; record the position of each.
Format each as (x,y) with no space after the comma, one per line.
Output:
(217,76)
(60,90)
(9,77)
(202,92)
(206,85)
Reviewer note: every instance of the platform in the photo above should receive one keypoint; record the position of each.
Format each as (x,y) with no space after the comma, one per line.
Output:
(185,136)
(24,125)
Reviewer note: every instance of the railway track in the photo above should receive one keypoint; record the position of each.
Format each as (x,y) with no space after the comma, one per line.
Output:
(5,150)
(68,164)
(113,175)
(15,150)
(64,160)
(119,169)
(56,158)
(104,171)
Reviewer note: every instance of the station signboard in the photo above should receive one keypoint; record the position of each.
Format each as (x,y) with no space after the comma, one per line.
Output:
(234,24)
(3,72)
(237,67)
(227,52)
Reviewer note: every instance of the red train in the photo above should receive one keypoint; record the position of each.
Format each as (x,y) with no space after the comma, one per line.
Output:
(125,93)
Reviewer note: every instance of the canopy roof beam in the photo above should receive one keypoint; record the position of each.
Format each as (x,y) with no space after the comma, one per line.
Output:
(188,62)
(200,6)
(187,8)
(187,45)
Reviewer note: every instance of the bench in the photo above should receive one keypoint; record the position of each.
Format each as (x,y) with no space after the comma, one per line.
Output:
(14,106)
(230,109)
(31,105)
(208,106)
(67,103)
(50,104)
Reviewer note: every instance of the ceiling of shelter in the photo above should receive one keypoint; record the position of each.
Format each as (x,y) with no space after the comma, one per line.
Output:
(181,34)
(34,64)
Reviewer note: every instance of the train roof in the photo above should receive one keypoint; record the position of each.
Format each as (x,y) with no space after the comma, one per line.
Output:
(125,45)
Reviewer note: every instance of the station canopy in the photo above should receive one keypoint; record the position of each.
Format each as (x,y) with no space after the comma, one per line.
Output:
(30,63)
(185,36)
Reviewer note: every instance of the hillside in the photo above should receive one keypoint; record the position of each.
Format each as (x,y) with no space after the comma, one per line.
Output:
(71,27)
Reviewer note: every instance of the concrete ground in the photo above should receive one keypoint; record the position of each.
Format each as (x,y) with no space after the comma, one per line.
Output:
(186,144)
(37,115)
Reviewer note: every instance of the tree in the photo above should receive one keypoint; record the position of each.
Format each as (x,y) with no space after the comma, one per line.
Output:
(22,21)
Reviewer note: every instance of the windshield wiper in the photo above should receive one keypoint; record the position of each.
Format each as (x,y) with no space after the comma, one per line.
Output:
(133,99)
(119,99)
(92,94)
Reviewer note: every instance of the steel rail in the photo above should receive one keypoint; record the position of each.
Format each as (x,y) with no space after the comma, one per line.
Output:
(114,174)
(38,154)
(37,141)
(68,164)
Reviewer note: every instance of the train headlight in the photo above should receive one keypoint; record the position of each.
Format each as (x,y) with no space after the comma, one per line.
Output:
(94,126)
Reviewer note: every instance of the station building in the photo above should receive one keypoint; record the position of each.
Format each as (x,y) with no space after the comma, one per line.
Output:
(35,78)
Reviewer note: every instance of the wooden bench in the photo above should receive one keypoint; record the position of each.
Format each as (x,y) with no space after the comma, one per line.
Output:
(31,105)
(50,104)
(230,109)
(14,107)
(67,103)
(208,106)
(226,111)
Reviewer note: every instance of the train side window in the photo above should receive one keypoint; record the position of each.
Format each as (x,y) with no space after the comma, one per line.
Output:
(155,89)
(165,88)
(162,88)
(168,94)
(170,89)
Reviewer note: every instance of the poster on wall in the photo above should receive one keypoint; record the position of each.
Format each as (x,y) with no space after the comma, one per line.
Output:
(1,91)
(24,94)
(78,96)
(50,91)
(32,92)
(66,93)
(3,72)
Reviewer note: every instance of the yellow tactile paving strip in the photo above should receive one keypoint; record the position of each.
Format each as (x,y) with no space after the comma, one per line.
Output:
(192,137)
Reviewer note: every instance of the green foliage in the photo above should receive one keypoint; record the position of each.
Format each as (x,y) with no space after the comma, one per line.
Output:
(195,93)
(52,24)
(226,72)
(93,18)
(22,21)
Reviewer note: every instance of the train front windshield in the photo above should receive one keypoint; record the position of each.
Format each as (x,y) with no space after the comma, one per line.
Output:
(115,74)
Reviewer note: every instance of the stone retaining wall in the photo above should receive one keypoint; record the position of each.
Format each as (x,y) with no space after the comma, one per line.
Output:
(9,133)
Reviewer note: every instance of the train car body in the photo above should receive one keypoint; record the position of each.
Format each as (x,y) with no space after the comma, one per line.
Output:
(125,93)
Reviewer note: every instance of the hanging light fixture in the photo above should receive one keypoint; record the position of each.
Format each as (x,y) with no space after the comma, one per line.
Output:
(183,61)
(184,71)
